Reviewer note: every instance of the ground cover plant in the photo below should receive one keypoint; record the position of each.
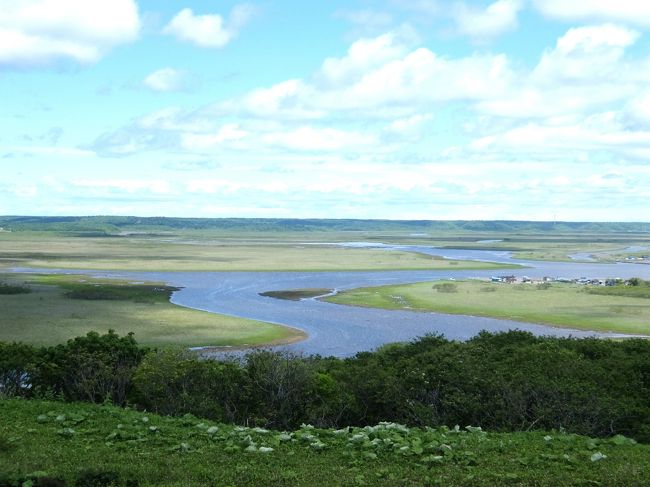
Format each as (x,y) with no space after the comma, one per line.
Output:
(52,443)
(60,307)
(615,308)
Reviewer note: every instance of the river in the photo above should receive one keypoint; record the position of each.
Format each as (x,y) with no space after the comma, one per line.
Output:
(345,330)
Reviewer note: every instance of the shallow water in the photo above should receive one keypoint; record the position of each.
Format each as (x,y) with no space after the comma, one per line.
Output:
(345,330)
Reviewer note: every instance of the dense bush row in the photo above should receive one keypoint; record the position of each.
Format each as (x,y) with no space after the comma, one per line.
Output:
(510,381)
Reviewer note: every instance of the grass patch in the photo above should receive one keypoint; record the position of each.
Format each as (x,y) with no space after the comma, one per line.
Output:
(202,253)
(70,442)
(564,305)
(113,290)
(640,291)
(49,316)
(296,294)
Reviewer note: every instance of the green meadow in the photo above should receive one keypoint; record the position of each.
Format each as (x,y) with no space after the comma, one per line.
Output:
(59,307)
(563,305)
(51,443)
(198,252)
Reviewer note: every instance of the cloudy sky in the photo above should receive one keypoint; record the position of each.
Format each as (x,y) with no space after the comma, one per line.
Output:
(401,109)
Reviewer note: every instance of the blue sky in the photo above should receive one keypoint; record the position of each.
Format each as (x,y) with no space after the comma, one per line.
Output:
(401,109)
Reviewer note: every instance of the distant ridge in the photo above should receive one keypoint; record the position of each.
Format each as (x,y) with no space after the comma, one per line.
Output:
(113,225)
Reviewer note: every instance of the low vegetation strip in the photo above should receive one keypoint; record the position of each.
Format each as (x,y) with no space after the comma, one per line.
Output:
(188,252)
(60,307)
(558,304)
(296,294)
(51,443)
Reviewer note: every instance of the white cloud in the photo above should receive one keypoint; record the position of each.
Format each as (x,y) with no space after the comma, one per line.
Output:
(409,124)
(209,30)
(598,132)
(318,139)
(494,20)
(586,71)
(127,185)
(362,56)
(166,80)
(40,32)
(636,12)
(198,142)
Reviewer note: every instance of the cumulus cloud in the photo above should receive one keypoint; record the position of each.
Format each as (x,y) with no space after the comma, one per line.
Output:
(41,32)
(584,72)
(209,30)
(485,23)
(166,80)
(636,12)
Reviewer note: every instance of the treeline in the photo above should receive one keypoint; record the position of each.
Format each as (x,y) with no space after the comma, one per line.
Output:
(510,381)
(111,225)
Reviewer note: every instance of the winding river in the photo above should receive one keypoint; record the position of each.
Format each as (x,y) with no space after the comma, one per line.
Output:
(345,330)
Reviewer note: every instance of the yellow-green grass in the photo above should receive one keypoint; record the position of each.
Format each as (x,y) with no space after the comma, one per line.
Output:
(562,305)
(46,317)
(42,250)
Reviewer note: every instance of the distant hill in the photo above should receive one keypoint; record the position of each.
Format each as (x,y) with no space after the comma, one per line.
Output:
(112,225)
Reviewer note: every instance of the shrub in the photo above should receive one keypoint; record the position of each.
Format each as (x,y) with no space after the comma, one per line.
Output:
(445,287)
(11,289)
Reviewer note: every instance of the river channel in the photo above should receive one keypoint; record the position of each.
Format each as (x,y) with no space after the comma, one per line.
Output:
(345,330)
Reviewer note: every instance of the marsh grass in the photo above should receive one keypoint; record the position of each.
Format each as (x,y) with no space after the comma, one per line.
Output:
(255,252)
(563,305)
(49,316)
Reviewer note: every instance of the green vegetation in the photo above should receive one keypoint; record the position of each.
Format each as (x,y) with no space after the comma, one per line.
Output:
(565,305)
(206,253)
(244,244)
(49,316)
(103,445)
(501,382)
(633,288)
(296,294)
(9,289)
(115,224)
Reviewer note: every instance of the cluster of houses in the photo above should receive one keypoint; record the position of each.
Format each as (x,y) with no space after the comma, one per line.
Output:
(640,259)
(582,280)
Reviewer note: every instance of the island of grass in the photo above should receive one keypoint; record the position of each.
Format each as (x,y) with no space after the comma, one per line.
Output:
(297,294)
(60,307)
(621,309)
(52,443)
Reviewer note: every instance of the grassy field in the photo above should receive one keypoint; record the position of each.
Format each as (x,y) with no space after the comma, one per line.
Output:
(564,305)
(201,252)
(77,443)
(50,314)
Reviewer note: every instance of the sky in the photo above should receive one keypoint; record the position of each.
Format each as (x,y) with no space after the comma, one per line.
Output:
(396,109)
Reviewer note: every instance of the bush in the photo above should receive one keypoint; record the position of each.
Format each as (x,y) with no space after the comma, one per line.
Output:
(445,287)
(17,366)
(10,289)
(94,368)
